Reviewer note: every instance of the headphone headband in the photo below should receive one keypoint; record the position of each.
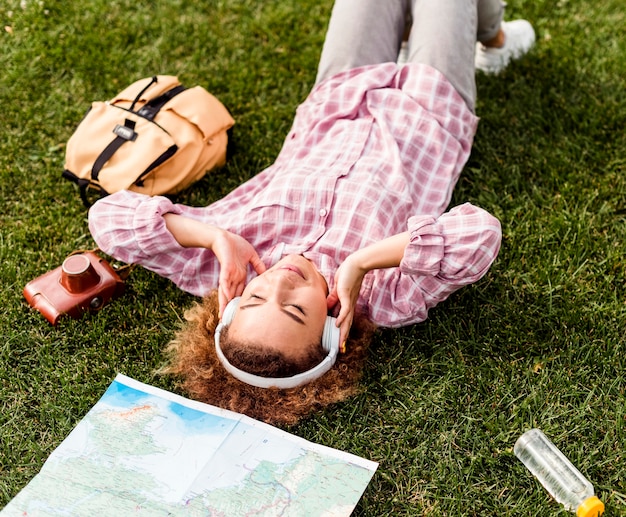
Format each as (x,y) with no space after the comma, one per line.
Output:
(330,343)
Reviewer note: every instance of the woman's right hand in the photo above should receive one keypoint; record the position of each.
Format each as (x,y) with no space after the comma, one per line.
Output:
(234,253)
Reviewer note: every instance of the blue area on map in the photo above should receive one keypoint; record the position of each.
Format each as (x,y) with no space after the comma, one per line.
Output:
(199,420)
(123,396)
(120,395)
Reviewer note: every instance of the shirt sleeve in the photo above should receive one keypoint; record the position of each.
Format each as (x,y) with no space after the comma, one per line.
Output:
(130,227)
(443,255)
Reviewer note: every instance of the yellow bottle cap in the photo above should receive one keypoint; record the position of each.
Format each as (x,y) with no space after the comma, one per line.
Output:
(591,507)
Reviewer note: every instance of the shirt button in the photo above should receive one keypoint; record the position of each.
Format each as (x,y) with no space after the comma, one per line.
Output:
(322,212)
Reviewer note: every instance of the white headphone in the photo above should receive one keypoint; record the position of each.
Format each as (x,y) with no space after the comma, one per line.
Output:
(330,344)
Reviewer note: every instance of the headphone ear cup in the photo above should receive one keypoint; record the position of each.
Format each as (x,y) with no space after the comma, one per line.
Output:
(229,310)
(331,335)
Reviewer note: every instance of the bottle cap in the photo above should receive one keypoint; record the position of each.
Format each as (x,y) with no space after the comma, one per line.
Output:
(590,507)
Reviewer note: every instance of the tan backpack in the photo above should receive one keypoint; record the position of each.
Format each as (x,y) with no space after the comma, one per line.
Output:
(155,137)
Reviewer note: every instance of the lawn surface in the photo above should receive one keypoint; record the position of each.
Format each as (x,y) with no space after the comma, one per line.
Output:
(539,342)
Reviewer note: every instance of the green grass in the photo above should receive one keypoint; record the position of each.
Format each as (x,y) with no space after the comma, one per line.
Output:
(538,342)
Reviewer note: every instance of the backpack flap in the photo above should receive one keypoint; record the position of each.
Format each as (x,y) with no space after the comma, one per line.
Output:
(202,109)
(198,122)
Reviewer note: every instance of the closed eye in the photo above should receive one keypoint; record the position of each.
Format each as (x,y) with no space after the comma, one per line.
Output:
(300,309)
(255,300)
(254,296)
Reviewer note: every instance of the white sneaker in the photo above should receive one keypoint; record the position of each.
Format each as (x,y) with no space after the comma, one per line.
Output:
(519,37)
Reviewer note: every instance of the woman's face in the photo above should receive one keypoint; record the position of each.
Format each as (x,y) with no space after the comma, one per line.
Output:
(284,308)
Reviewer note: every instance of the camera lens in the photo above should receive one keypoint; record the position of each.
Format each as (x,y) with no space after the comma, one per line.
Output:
(78,275)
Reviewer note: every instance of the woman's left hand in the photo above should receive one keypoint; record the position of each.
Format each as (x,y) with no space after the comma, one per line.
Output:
(349,276)
(348,280)
(233,252)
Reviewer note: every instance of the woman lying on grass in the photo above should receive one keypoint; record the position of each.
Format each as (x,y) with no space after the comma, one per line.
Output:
(350,219)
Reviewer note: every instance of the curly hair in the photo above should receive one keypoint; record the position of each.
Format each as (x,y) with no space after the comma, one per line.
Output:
(192,358)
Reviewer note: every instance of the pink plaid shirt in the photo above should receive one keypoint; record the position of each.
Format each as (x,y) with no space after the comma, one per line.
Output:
(373,152)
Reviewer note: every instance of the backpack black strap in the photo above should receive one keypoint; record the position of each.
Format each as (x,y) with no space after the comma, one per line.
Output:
(83,186)
(154,80)
(150,109)
(124,134)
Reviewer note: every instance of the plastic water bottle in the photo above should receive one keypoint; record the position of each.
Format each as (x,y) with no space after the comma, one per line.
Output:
(556,473)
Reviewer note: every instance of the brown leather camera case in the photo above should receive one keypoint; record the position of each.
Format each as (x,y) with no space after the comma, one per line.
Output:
(84,282)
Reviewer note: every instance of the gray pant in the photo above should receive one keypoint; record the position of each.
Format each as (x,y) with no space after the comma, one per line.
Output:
(443,35)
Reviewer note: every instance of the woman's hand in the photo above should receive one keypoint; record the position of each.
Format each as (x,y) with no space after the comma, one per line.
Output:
(234,253)
(349,276)
(348,280)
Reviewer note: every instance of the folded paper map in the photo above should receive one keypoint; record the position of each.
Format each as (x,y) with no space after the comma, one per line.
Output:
(145,451)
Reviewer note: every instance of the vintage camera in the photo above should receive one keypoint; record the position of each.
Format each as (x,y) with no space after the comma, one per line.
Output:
(84,282)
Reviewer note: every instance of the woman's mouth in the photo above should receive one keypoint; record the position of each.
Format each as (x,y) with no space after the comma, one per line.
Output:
(293,269)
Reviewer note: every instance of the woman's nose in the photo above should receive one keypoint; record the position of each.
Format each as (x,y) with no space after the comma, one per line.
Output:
(281,280)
